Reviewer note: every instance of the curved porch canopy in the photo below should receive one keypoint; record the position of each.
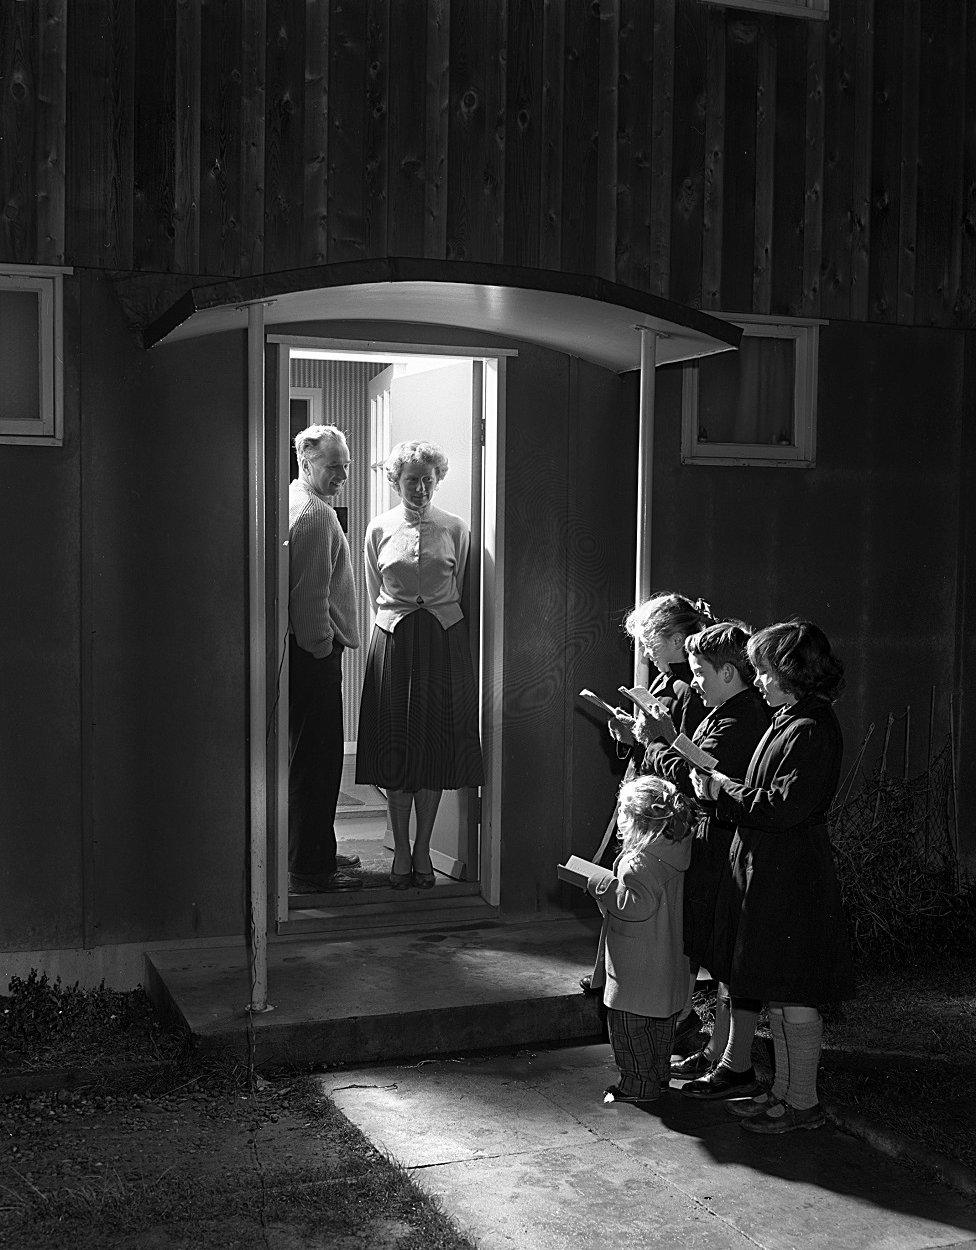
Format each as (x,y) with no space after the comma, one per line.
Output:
(591,318)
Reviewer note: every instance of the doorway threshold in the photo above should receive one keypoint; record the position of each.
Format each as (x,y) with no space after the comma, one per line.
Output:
(451,902)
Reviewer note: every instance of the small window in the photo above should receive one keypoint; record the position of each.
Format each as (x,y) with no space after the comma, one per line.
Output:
(758,405)
(31,360)
(819,10)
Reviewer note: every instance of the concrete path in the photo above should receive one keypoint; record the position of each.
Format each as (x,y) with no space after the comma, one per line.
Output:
(522,1153)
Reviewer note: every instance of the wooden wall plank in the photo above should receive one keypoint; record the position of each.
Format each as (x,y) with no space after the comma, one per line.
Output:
(347,118)
(581,87)
(607,122)
(940,150)
(741,91)
(315,233)
(375,151)
(966,304)
(886,161)
(437,114)
(466,142)
(98,163)
(789,161)
(835,294)
(220,137)
(254,40)
(662,138)
(154,229)
(407,106)
(961,271)
(908,189)
(284,151)
(551,173)
(861,163)
(762,256)
(186,174)
(496,90)
(52,45)
(688,162)
(18,100)
(523,139)
(634,76)
(713,188)
(813,172)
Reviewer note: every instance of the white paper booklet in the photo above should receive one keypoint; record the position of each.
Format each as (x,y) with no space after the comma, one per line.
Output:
(644,700)
(578,871)
(694,754)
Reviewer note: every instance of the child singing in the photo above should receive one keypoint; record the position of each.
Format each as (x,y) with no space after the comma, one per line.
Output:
(641,964)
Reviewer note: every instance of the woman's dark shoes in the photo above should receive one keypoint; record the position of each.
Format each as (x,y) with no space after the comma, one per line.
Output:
(401,880)
(780,1117)
(698,1064)
(423,880)
(613,1093)
(722,1082)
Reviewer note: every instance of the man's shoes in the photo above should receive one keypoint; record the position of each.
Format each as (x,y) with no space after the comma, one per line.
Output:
(348,861)
(722,1082)
(780,1117)
(586,985)
(322,883)
(613,1093)
(698,1064)
(687,1035)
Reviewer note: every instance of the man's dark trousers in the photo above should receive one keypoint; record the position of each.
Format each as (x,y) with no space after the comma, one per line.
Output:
(316,745)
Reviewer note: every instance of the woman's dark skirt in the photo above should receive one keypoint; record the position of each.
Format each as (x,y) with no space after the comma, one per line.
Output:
(418,716)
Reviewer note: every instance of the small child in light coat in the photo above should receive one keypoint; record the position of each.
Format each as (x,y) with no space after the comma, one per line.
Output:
(641,965)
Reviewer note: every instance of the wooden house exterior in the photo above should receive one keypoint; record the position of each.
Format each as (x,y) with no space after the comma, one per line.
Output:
(731,160)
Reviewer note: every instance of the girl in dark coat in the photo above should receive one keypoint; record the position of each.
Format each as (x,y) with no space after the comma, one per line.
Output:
(780,933)
(738,717)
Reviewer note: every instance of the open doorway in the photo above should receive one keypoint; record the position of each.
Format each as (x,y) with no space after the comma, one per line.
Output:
(379,398)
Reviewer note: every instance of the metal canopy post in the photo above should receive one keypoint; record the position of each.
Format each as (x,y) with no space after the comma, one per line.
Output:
(645,470)
(257,919)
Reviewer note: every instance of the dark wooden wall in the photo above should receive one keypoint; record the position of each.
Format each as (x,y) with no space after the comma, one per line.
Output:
(727,160)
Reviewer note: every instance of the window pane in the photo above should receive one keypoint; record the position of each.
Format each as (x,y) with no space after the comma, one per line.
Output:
(747,396)
(20,369)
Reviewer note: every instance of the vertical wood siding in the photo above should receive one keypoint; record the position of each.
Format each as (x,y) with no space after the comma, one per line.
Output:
(727,159)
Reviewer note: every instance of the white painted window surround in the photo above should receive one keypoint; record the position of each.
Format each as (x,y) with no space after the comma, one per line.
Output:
(31,355)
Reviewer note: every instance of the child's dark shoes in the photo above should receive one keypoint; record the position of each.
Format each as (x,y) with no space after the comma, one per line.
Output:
(749,1108)
(698,1064)
(613,1093)
(780,1117)
(722,1082)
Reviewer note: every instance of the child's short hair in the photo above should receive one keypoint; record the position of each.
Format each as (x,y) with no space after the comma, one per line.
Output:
(653,805)
(668,613)
(724,643)
(798,653)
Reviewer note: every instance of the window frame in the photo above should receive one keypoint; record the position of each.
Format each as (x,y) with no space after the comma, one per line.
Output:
(802,453)
(48,282)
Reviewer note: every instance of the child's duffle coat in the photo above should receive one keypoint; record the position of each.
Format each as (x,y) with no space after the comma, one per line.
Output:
(780,932)
(640,963)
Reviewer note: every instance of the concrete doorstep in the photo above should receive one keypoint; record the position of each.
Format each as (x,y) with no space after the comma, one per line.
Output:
(523,1153)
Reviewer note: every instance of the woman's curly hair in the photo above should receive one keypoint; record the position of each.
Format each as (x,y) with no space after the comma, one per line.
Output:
(650,806)
(414,453)
(799,655)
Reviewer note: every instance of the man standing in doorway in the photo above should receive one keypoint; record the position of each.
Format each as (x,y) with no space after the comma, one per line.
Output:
(323,621)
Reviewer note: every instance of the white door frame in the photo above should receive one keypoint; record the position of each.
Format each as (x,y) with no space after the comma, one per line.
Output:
(492,583)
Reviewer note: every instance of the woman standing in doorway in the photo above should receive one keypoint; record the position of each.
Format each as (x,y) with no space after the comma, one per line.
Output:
(418,718)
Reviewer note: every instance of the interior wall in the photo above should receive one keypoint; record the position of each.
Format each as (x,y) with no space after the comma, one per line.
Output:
(434,405)
(866,543)
(41,896)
